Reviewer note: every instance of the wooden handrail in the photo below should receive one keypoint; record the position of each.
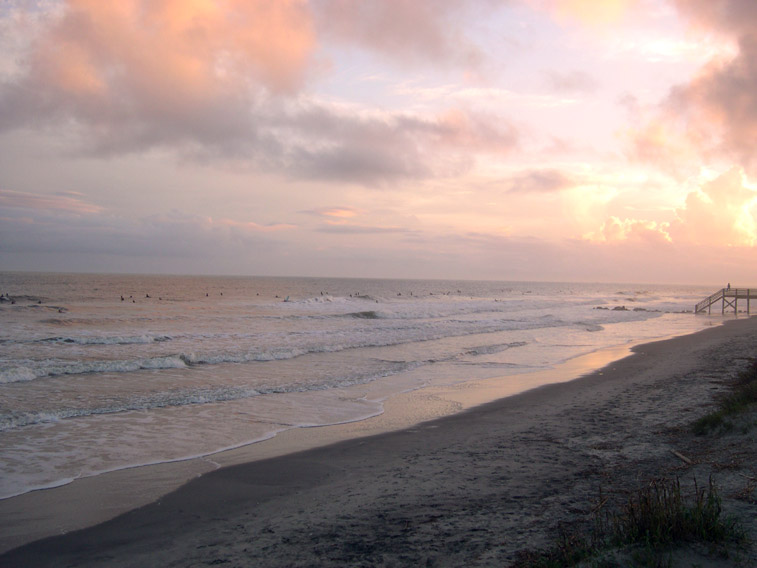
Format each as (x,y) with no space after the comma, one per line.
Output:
(721,295)
(707,302)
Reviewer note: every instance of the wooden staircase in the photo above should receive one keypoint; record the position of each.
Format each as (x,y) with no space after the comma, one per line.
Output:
(728,298)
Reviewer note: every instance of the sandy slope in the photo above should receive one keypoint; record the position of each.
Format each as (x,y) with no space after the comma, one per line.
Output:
(470,489)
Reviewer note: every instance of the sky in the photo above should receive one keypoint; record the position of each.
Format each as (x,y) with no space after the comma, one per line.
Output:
(552,140)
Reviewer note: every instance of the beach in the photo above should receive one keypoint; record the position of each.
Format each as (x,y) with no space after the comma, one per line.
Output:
(340,283)
(472,488)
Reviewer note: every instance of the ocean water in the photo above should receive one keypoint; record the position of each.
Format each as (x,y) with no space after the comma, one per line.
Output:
(104,372)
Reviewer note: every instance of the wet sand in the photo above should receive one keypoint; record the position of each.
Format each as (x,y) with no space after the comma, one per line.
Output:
(472,489)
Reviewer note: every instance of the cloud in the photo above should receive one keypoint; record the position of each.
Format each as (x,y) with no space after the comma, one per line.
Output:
(333,212)
(227,81)
(375,148)
(721,213)
(733,17)
(713,116)
(571,82)
(662,142)
(539,181)
(415,32)
(617,230)
(590,12)
(66,201)
(202,49)
(56,224)
(350,229)
(478,131)
(500,257)
(340,220)
(251,226)
(720,105)
(136,74)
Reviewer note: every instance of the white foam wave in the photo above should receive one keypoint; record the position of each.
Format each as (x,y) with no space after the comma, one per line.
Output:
(491,349)
(144,339)
(107,340)
(17,375)
(197,396)
(371,334)
(160,400)
(49,368)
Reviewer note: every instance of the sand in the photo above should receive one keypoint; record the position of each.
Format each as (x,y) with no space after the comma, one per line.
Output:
(470,489)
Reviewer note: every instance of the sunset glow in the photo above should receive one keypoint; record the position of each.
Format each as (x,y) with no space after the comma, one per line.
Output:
(493,139)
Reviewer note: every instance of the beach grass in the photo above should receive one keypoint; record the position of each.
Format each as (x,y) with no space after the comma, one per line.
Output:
(655,518)
(658,517)
(741,398)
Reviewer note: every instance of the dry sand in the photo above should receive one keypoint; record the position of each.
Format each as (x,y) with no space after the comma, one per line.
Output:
(471,489)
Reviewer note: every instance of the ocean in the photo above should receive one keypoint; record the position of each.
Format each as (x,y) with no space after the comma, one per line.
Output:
(106,372)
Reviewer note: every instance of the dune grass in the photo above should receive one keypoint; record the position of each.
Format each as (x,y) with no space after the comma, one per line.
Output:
(654,519)
(741,398)
(658,517)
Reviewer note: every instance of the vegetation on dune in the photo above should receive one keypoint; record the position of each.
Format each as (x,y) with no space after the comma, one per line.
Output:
(658,517)
(741,398)
(655,518)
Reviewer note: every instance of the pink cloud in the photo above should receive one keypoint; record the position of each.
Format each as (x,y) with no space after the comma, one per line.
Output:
(637,230)
(721,103)
(226,79)
(251,226)
(334,212)
(68,203)
(722,213)
(420,31)
(571,81)
(171,234)
(733,17)
(137,73)
(539,181)
(459,128)
(199,48)
(589,12)
(715,114)
(354,229)
(663,141)
(386,147)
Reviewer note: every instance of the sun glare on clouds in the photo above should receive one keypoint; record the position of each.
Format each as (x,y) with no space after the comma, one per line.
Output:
(594,13)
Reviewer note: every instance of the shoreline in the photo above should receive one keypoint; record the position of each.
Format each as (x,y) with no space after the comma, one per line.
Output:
(356,436)
(60,509)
